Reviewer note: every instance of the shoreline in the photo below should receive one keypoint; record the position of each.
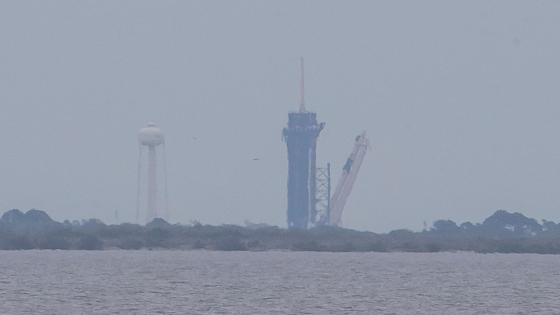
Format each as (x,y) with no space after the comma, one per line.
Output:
(502,232)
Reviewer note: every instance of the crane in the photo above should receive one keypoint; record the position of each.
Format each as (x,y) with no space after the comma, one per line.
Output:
(348,178)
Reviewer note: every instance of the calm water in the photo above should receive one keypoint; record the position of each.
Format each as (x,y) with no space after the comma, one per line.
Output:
(201,282)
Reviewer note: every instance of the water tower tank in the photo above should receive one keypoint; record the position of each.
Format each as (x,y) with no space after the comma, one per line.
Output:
(150,135)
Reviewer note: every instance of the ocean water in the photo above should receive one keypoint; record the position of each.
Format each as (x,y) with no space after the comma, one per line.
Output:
(205,282)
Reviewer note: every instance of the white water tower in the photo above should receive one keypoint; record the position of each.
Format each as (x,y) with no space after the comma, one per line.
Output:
(150,138)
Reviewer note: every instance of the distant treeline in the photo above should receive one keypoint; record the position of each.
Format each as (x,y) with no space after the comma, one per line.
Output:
(502,232)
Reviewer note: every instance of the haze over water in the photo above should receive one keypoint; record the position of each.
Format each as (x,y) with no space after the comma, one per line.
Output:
(459,98)
(202,282)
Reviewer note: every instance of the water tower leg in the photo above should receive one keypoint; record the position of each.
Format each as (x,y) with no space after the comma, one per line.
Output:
(152,184)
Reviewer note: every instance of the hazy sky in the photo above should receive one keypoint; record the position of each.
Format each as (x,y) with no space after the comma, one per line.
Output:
(460,99)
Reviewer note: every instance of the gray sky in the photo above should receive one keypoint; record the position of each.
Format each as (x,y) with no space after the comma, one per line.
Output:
(460,100)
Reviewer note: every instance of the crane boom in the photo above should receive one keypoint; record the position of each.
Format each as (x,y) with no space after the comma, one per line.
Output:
(348,178)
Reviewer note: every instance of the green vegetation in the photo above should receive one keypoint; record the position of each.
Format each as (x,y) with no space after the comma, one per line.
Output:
(503,232)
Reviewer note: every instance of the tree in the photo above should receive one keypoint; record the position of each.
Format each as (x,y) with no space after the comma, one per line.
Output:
(445,226)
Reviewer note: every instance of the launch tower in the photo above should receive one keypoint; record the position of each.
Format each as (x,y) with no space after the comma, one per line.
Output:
(301,138)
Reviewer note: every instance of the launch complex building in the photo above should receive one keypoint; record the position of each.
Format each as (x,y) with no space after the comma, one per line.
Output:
(309,188)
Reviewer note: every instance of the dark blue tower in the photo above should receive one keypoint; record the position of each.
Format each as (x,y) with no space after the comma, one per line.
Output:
(301,137)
